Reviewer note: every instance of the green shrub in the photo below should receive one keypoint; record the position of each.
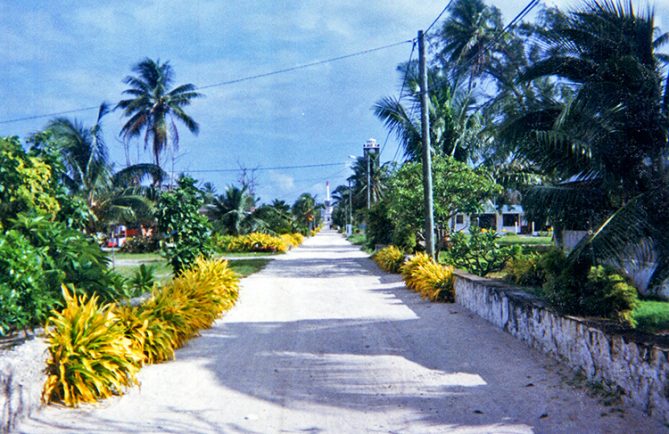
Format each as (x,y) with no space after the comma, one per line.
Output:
(143,280)
(478,253)
(187,232)
(25,299)
(608,295)
(525,270)
(581,289)
(141,245)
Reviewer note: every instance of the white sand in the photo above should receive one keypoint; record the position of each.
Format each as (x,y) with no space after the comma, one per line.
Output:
(322,341)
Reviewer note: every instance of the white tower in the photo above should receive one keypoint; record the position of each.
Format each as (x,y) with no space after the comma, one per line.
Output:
(327,218)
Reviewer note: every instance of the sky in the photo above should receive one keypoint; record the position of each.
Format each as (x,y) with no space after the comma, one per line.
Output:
(67,55)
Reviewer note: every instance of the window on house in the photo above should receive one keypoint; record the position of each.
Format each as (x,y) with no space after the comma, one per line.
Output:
(459,219)
(510,219)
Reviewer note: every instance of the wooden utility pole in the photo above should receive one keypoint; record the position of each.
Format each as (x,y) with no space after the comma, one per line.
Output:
(427,155)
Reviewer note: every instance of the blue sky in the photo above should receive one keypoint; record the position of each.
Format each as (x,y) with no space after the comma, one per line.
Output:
(66,55)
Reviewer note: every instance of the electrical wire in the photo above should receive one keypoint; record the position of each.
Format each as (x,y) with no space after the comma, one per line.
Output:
(305,65)
(404,82)
(305,166)
(228,82)
(438,17)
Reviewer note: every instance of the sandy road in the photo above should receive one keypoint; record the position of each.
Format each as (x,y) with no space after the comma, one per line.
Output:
(322,341)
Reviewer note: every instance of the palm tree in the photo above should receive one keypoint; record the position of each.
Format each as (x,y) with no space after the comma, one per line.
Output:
(111,197)
(467,39)
(154,106)
(306,210)
(233,211)
(607,145)
(453,126)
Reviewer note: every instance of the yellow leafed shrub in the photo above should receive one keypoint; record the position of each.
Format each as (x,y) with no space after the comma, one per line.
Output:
(389,259)
(253,242)
(410,265)
(292,240)
(90,355)
(177,311)
(434,282)
(430,279)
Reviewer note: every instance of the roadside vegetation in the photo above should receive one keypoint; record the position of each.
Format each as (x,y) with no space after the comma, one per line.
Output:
(565,116)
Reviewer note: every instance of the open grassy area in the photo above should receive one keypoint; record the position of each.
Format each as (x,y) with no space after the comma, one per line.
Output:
(246,254)
(144,257)
(524,240)
(652,316)
(163,273)
(245,267)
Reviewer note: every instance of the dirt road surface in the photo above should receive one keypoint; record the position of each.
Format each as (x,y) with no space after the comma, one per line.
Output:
(322,341)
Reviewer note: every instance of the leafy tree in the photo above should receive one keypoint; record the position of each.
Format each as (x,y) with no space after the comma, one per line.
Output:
(456,188)
(26,182)
(607,145)
(187,232)
(468,38)
(154,106)
(453,125)
(111,198)
(233,212)
(307,212)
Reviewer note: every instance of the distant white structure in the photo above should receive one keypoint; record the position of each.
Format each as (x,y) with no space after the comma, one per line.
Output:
(510,219)
(327,215)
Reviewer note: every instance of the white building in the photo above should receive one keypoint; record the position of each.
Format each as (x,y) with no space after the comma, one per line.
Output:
(510,219)
(327,212)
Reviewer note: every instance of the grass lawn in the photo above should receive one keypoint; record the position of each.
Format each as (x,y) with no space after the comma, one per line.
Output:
(357,239)
(243,267)
(144,257)
(652,316)
(510,240)
(163,271)
(245,254)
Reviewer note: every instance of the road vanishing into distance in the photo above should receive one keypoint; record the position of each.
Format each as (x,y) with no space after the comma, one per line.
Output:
(322,341)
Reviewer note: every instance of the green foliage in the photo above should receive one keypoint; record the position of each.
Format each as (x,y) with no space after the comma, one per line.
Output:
(525,270)
(576,287)
(478,253)
(187,231)
(25,298)
(70,257)
(26,182)
(141,245)
(379,226)
(607,294)
(457,188)
(652,316)
(143,279)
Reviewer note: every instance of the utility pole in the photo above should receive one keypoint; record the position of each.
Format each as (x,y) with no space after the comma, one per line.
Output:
(350,203)
(427,155)
(370,147)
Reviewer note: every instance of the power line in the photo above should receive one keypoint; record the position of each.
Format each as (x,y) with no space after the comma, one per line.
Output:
(305,166)
(228,82)
(305,65)
(404,82)
(438,16)
(48,115)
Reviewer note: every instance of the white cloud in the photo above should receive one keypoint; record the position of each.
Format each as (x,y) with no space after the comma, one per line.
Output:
(283,182)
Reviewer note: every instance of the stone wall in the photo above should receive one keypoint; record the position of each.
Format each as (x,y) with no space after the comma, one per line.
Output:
(634,363)
(21,380)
